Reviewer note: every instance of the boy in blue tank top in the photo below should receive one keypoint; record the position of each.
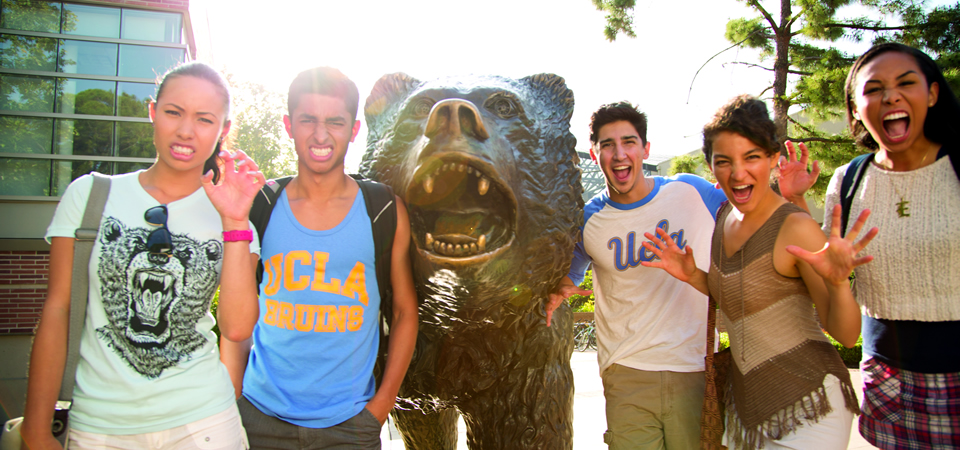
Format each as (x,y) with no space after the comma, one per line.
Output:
(307,372)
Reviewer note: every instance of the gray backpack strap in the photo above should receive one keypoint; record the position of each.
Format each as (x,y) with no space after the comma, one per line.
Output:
(86,235)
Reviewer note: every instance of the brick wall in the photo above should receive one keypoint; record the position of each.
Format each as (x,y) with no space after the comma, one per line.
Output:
(23,287)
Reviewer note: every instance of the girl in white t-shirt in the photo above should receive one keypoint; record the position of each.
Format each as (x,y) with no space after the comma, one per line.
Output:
(149,373)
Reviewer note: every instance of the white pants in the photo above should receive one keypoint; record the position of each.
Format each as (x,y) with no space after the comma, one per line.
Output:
(221,431)
(831,432)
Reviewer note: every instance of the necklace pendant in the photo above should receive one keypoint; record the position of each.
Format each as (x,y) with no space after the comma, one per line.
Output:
(903,208)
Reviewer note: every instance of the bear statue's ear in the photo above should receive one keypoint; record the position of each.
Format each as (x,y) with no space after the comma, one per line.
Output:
(552,92)
(388,90)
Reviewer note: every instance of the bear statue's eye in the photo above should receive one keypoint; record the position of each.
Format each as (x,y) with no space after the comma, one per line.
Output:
(420,108)
(504,105)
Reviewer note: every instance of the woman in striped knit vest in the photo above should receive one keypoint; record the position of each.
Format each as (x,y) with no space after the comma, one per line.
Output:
(770,265)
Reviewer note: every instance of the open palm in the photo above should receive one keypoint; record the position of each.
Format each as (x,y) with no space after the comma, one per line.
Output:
(838,257)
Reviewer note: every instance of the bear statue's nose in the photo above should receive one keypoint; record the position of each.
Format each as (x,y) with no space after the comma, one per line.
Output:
(455,118)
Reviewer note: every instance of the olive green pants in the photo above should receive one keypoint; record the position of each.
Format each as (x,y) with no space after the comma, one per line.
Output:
(652,410)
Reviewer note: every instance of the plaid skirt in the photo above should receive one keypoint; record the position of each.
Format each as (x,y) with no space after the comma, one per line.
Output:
(909,410)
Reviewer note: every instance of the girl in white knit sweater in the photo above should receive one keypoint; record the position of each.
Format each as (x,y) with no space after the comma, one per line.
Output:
(900,105)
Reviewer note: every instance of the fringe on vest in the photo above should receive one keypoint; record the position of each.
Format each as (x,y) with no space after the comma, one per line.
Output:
(810,409)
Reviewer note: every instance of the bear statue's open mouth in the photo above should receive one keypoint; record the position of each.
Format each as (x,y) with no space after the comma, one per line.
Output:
(460,209)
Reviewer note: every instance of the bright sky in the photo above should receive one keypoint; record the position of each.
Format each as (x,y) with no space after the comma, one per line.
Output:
(270,42)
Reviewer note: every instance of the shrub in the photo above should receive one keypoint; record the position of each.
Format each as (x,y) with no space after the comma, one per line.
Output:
(582,303)
(213,310)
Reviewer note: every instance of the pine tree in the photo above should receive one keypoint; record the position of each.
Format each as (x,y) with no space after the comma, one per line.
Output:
(798,37)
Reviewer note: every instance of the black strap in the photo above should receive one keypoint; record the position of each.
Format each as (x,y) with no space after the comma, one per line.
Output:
(849,186)
(261,210)
(85,235)
(382,209)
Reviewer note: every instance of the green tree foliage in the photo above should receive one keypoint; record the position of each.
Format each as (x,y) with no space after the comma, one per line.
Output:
(618,17)
(798,36)
(584,303)
(258,127)
(694,164)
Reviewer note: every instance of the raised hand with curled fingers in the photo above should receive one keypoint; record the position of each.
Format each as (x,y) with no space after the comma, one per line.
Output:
(838,257)
(676,261)
(239,183)
(793,178)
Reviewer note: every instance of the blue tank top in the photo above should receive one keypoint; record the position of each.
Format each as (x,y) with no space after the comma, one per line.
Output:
(315,344)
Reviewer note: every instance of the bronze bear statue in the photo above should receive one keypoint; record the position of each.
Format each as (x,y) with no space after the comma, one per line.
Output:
(488,169)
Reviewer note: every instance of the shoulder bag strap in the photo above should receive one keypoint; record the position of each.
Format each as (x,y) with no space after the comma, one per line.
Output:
(86,235)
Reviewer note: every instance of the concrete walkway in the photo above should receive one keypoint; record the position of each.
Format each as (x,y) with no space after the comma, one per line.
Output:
(589,421)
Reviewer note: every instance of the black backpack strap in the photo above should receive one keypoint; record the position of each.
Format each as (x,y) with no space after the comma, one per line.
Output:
(954,155)
(382,209)
(849,186)
(261,210)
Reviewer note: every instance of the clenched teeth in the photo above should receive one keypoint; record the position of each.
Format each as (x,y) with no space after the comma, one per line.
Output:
(321,151)
(181,150)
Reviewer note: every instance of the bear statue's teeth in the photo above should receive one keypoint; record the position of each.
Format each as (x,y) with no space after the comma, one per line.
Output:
(483,185)
(428,184)
(452,249)
(461,168)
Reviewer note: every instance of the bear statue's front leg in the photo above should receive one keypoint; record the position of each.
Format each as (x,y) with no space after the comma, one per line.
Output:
(532,411)
(530,404)
(427,430)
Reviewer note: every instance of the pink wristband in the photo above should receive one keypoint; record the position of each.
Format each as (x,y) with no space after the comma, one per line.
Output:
(238,235)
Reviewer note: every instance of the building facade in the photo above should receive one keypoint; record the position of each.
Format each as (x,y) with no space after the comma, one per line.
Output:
(75,80)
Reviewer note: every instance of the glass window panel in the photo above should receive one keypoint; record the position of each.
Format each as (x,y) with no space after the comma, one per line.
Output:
(64,172)
(26,93)
(24,176)
(132,167)
(28,53)
(26,135)
(92,58)
(135,140)
(84,137)
(133,98)
(30,15)
(86,97)
(148,62)
(86,20)
(151,26)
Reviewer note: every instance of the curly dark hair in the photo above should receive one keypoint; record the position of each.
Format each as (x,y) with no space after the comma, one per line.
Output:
(747,116)
(324,81)
(942,117)
(615,112)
